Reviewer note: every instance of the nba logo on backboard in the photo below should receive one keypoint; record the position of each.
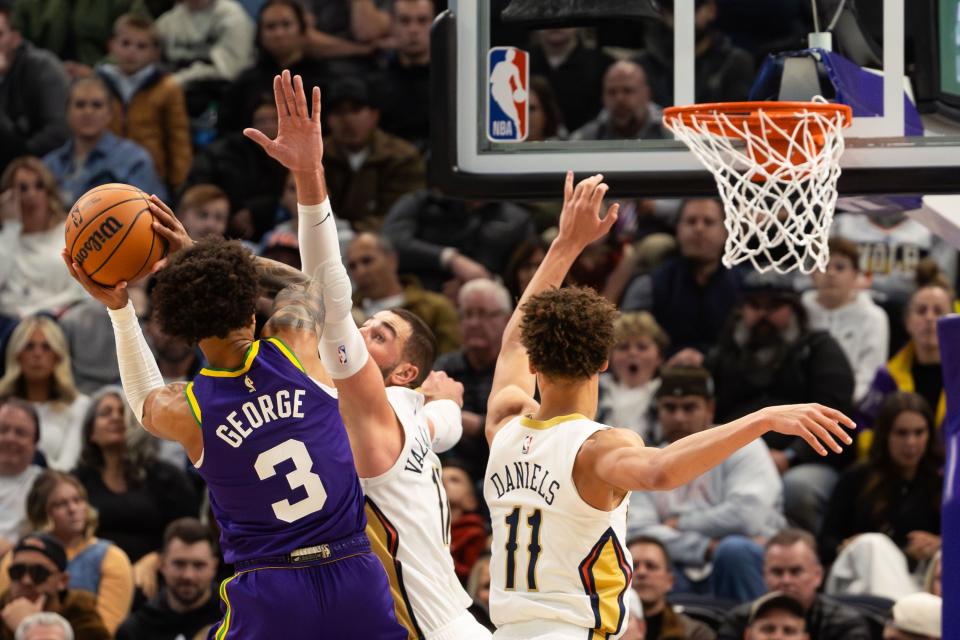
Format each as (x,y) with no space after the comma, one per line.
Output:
(508,71)
(342,353)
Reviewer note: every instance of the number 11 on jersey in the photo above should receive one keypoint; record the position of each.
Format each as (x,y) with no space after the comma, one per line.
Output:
(534,548)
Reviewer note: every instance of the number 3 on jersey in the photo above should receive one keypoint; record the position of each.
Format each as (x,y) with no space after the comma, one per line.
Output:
(534,548)
(301,476)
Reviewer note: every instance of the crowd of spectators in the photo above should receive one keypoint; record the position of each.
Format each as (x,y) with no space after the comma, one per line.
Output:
(110,528)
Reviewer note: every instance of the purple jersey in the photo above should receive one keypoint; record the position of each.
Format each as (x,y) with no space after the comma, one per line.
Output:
(276,457)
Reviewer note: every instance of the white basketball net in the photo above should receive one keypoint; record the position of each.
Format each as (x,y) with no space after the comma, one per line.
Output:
(779,203)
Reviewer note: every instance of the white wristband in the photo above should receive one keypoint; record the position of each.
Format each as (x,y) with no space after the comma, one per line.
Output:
(447,419)
(317,234)
(139,372)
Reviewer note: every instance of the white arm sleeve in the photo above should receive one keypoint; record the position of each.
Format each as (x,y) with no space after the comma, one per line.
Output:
(317,234)
(342,349)
(139,372)
(447,423)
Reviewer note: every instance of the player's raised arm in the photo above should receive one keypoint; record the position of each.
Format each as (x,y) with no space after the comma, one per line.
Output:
(618,457)
(580,225)
(161,409)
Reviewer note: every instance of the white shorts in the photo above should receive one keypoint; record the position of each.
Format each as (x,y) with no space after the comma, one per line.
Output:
(465,627)
(542,630)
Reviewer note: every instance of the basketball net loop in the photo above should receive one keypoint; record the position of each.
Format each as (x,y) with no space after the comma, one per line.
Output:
(776,167)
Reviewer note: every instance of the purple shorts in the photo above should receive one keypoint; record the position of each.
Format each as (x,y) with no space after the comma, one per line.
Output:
(343,594)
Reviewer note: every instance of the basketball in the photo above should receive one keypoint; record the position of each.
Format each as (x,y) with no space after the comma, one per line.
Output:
(109,233)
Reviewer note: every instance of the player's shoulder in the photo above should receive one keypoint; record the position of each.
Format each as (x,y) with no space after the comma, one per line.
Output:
(607,438)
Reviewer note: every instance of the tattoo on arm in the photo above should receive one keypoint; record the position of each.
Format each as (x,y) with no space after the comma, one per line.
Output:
(275,276)
(299,307)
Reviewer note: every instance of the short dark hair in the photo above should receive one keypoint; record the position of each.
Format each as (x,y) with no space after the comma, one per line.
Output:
(843,247)
(791,536)
(568,332)
(421,347)
(207,290)
(187,530)
(137,22)
(644,539)
(27,408)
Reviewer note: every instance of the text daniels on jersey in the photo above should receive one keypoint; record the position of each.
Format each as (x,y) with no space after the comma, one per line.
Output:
(261,410)
(525,476)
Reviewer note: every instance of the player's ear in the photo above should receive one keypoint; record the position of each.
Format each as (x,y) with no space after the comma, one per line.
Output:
(603,367)
(403,375)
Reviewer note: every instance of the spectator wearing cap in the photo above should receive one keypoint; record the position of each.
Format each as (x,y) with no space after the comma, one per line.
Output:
(915,617)
(373,267)
(366,169)
(768,356)
(791,566)
(38,582)
(652,580)
(692,294)
(713,526)
(776,616)
(19,435)
(838,305)
(44,626)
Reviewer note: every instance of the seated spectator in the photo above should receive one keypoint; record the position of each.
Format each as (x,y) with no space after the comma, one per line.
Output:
(839,306)
(148,104)
(136,495)
(38,371)
(403,85)
(484,307)
(77,32)
(916,367)
(628,386)
(38,582)
(44,626)
(546,120)
(776,615)
(522,265)
(33,90)
(89,334)
(915,617)
(652,580)
(186,603)
(575,73)
(346,33)
(57,504)
(791,566)
(447,242)
(769,356)
(636,627)
(693,293)
(19,432)
(468,528)
(366,169)
(207,43)
(204,210)
(372,264)
(281,44)
(883,520)
(93,156)
(478,588)
(232,161)
(628,113)
(711,525)
(32,277)
(722,72)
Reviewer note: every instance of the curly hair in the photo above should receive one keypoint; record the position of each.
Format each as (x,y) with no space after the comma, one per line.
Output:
(207,291)
(568,332)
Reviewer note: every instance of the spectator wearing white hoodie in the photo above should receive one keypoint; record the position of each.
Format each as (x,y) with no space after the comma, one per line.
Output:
(838,305)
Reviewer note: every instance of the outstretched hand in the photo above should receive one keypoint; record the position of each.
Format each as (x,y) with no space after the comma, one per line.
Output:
(115,297)
(299,142)
(815,423)
(580,221)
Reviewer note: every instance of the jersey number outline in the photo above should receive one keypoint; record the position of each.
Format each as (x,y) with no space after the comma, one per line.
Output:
(513,524)
(301,476)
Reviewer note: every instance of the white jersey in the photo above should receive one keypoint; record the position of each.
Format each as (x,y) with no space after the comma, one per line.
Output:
(554,557)
(408,523)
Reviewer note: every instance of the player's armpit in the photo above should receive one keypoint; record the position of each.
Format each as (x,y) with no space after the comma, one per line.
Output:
(167,414)
(504,404)
(619,458)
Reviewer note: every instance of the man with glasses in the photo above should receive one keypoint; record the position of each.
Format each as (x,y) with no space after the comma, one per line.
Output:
(484,307)
(38,582)
(713,526)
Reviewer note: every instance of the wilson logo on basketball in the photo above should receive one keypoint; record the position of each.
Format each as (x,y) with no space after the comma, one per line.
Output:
(97,239)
